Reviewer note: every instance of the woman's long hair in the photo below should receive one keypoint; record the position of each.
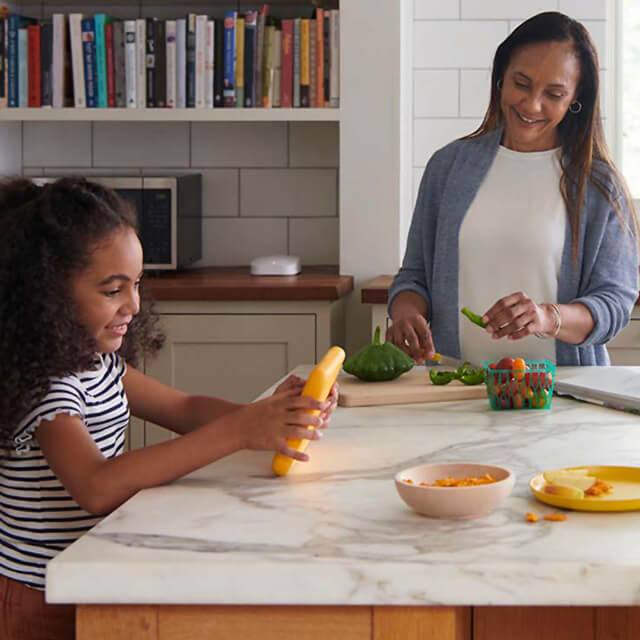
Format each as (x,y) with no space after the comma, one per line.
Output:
(581,134)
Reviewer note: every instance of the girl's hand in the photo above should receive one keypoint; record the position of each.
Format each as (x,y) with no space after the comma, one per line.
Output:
(332,399)
(267,424)
(412,334)
(516,316)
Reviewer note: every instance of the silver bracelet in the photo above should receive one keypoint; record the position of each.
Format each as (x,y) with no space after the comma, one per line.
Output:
(558,322)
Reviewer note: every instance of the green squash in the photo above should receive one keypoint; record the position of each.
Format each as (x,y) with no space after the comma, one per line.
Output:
(378,361)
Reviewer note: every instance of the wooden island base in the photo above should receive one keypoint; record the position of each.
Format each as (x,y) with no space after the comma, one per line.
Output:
(191,622)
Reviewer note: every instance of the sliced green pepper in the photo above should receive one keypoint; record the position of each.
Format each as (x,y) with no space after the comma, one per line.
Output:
(474,317)
(473,376)
(441,377)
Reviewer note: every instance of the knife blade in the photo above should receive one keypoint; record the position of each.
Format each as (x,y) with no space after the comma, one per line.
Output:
(448,361)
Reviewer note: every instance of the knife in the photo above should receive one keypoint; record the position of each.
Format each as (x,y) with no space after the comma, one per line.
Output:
(448,361)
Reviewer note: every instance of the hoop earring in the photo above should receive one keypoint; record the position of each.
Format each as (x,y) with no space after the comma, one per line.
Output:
(575,107)
(499,84)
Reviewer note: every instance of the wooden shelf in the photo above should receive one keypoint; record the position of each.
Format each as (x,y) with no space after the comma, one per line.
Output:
(170,115)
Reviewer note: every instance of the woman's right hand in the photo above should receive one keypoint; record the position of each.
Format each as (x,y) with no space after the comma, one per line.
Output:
(412,334)
(267,424)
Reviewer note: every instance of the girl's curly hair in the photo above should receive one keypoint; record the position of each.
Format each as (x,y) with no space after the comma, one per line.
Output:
(47,235)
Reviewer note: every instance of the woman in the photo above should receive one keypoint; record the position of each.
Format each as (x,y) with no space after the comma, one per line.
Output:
(526,220)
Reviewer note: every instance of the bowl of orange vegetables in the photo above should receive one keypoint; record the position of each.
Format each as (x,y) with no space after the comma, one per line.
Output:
(516,383)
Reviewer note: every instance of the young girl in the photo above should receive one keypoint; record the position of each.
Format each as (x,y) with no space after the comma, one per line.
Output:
(70,272)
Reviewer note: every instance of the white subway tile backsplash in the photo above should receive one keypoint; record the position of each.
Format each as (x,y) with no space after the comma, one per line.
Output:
(435,93)
(598,32)
(584,9)
(239,144)
(475,90)
(453,44)
(56,144)
(232,242)
(504,9)
(141,144)
(431,135)
(436,10)
(313,144)
(288,192)
(89,172)
(315,240)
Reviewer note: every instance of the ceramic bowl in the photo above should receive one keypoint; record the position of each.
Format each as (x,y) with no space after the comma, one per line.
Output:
(454,502)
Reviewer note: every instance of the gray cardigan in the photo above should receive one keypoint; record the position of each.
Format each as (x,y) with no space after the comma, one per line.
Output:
(605,278)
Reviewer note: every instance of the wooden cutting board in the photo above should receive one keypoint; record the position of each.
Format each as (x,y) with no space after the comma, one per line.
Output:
(413,386)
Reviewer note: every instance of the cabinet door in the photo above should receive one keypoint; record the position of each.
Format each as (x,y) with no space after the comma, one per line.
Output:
(235,357)
(624,349)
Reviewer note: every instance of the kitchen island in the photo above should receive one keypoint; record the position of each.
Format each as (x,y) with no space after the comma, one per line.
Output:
(330,551)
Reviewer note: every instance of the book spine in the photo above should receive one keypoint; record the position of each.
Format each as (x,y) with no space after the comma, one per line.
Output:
(151,62)
(181,63)
(130,73)
(201,52)
(101,59)
(296,62)
(3,62)
(141,63)
(249,54)
(319,37)
(160,48)
(89,52)
(277,67)
(239,64)
(58,55)
(23,67)
(34,97)
(111,72)
(258,67)
(5,72)
(171,76)
(312,64)
(326,29)
(77,59)
(218,64)
(209,63)
(286,79)
(334,43)
(228,92)
(191,60)
(119,63)
(46,64)
(267,66)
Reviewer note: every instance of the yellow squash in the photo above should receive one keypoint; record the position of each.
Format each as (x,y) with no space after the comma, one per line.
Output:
(318,386)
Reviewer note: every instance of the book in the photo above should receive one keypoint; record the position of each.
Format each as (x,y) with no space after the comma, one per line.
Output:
(334,59)
(277,62)
(218,66)
(239,63)
(14,23)
(191,60)
(209,64)
(130,55)
(326,47)
(267,65)
(228,91)
(171,76)
(34,96)
(296,62)
(23,67)
(119,57)
(286,65)
(181,63)
(259,57)
(3,82)
(141,63)
(304,63)
(110,64)
(99,22)
(312,64)
(160,48)
(89,57)
(61,63)
(319,75)
(201,53)
(250,21)
(150,52)
(46,64)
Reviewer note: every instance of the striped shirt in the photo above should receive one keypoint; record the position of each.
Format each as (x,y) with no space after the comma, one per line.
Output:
(38,516)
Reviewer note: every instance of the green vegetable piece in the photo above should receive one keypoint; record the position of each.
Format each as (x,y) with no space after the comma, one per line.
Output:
(473,376)
(378,361)
(441,377)
(474,317)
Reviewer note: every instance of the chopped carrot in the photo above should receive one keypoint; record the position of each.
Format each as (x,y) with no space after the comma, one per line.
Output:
(555,517)
(531,517)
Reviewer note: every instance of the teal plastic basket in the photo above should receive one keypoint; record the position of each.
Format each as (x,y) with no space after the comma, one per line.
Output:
(515,389)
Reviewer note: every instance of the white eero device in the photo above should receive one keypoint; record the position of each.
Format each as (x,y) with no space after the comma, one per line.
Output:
(275,266)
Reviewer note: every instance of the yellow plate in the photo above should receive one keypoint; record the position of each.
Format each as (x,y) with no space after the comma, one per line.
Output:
(624,497)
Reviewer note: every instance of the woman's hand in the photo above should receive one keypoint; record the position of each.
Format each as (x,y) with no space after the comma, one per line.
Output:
(267,424)
(412,334)
(289,383)
(517,316)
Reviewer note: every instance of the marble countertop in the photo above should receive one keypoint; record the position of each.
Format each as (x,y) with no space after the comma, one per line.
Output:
(334,531)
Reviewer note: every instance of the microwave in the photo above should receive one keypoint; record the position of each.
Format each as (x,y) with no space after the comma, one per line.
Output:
(169,212)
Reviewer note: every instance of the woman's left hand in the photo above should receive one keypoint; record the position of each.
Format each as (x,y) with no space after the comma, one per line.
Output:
(515,316)
(295,383)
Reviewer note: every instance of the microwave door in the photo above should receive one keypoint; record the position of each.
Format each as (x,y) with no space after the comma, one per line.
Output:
(159,223)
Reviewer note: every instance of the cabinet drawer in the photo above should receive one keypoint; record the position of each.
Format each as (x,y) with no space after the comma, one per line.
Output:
(628,338)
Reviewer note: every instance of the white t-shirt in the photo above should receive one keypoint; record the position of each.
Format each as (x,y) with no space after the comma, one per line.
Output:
(511,239)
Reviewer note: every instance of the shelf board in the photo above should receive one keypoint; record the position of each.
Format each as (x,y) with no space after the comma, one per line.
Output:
(169,115)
